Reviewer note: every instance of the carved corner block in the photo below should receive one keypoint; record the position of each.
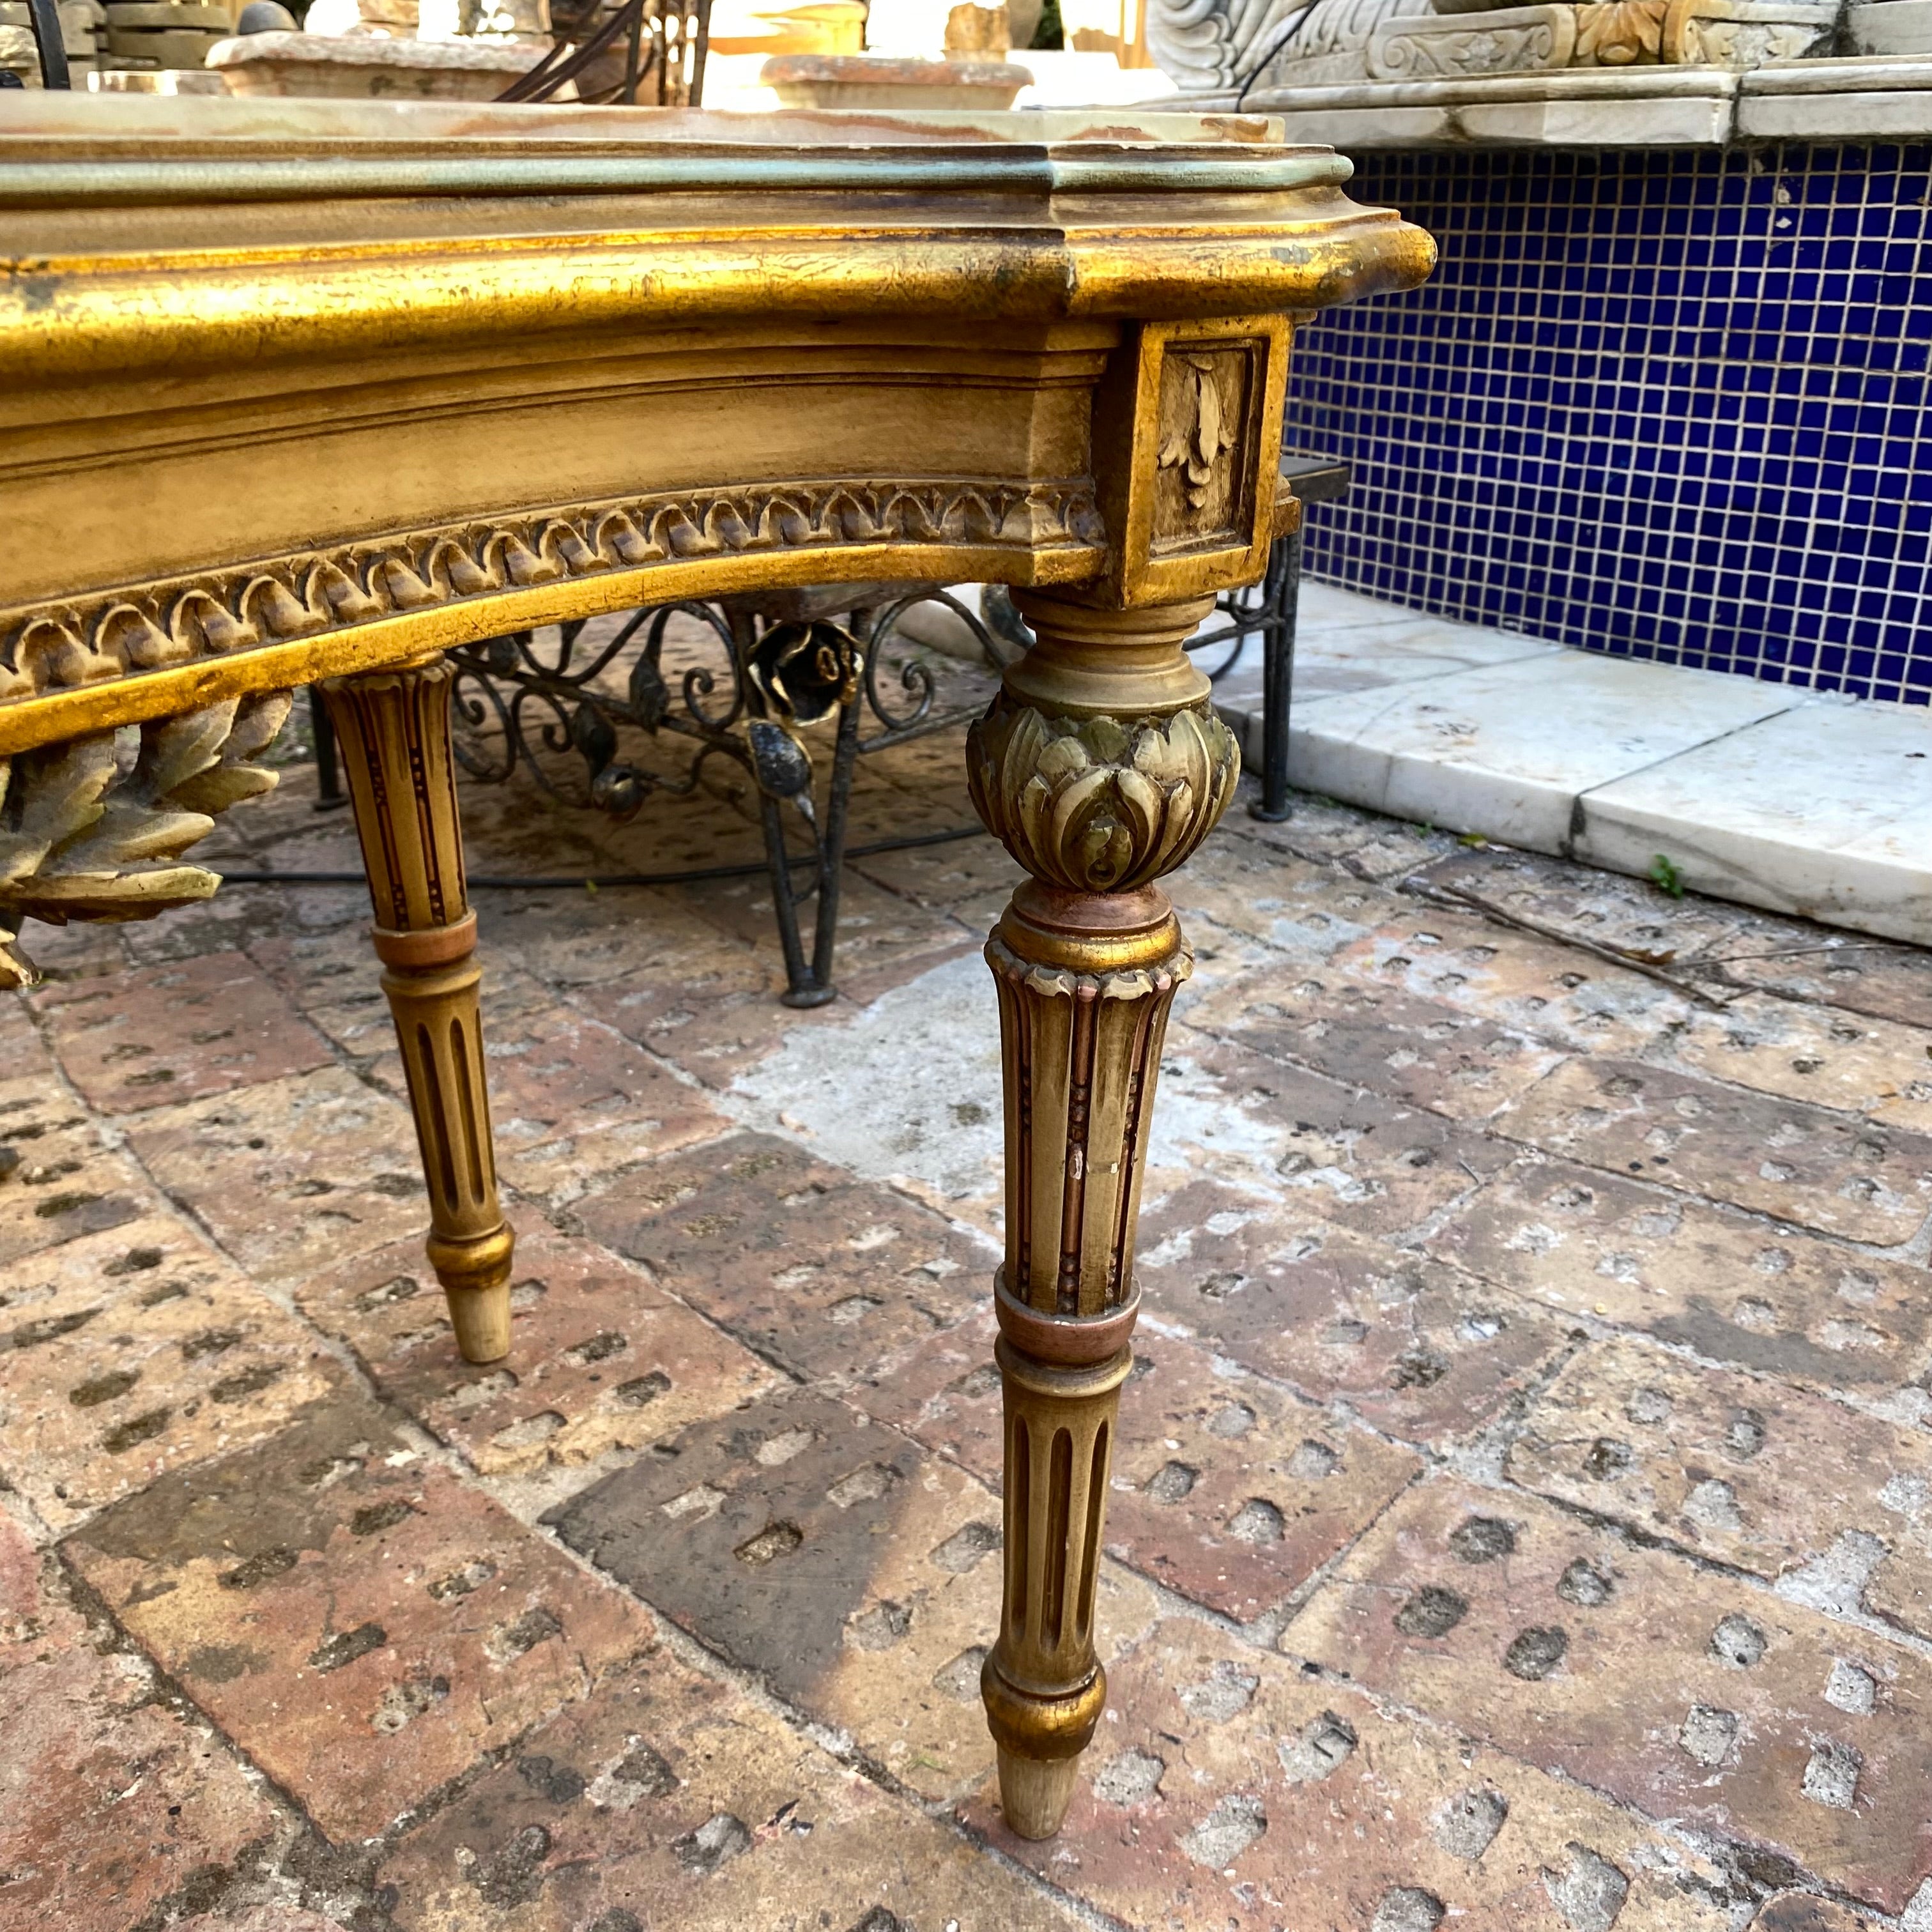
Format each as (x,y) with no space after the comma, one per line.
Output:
(1187,452)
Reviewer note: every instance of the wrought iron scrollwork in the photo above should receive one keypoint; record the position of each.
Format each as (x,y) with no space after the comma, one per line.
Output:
(645,52)
(752,689)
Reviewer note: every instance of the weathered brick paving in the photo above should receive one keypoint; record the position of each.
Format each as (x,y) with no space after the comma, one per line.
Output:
(1523,1519)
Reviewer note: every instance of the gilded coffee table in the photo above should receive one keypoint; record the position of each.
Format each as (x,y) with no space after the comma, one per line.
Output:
(296,392)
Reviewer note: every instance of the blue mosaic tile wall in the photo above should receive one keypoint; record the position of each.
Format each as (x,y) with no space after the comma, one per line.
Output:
(1668,404)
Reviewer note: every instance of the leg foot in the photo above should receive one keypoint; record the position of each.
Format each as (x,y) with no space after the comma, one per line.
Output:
(1034,1793)
(475,1278)
(805,997)
(1041,1683)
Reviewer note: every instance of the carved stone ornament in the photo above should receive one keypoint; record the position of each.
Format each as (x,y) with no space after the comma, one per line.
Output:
(91,830)
(1741,33)
(65,646)
(1244,50)
(1094,804)
(1517,40)
(1621,33)
(1208,45)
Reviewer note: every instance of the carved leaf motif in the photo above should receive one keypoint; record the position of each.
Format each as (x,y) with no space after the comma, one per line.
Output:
(1209,439)
(56,800)
(1097,804)
(1620,33)
(1198,435)
(92,830)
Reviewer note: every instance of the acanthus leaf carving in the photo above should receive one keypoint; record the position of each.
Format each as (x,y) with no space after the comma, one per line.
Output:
(1195,437)
(1621,33)
(94,828)
(1097,804)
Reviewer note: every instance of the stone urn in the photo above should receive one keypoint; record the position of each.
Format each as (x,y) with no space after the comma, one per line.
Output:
(875,80)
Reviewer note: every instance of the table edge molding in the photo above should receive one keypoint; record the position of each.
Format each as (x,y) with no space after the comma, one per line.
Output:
(133,652)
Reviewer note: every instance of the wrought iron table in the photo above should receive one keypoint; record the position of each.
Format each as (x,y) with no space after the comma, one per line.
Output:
(313,391)
(778,663)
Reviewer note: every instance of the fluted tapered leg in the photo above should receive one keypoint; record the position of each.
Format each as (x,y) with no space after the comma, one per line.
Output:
(1101,766)
(393,727)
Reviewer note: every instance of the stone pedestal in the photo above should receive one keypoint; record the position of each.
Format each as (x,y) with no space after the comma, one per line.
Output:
(317,67)
(867,80)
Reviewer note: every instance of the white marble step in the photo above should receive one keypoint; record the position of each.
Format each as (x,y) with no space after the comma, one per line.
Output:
(1764,793)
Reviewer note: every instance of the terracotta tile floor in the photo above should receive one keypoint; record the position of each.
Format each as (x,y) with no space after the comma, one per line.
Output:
(1524,1510)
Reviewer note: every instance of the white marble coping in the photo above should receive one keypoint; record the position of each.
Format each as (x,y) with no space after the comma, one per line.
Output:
(1869,97)
(1507,750)
(1767,794)
(1882,97)
(1824,810)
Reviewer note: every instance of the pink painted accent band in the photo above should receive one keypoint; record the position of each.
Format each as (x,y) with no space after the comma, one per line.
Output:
(1064,1341)
(435,945)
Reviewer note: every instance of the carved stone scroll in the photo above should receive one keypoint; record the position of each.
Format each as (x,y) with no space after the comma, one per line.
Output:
(1511,40)
(394,729)
(94,828)
(1100,766)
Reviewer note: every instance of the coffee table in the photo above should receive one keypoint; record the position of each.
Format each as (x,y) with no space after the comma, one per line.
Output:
(311,391)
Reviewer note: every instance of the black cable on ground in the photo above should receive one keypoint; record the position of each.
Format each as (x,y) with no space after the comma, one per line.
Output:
(698,875)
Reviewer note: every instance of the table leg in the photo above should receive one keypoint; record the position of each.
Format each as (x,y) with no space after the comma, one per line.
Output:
(1280,602)
(1100,765)
(393,729)
(329,795)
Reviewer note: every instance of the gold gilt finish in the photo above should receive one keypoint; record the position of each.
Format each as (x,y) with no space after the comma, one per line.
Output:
(394,729)
(87,834)
(1100,766)
(305,392)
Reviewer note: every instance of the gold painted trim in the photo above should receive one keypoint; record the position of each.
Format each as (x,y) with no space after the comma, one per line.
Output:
(124,313)
(122,656)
